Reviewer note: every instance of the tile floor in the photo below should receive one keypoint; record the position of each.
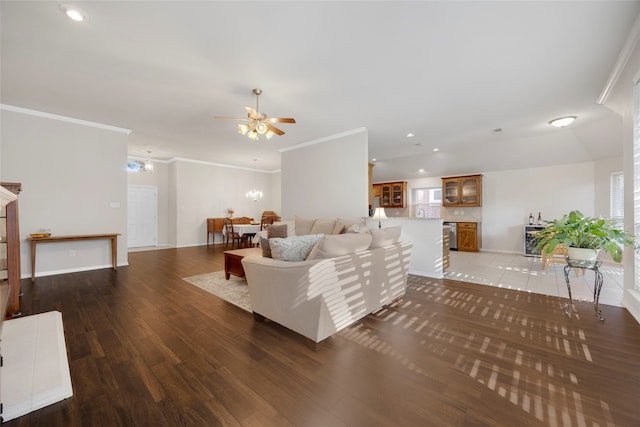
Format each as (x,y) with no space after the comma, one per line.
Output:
(515,271)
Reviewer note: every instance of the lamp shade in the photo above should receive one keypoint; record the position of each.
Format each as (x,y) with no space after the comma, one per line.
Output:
(379,214)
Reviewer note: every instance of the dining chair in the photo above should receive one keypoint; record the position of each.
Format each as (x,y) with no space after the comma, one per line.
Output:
(266,221)
(231,234)
(271,213)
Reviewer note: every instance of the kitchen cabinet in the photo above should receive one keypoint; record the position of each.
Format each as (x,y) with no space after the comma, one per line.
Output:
(462,190)
(468,236)
(392,194)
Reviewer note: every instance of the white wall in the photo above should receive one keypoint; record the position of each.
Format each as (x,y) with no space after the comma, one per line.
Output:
(327,178)
(207,191)
(71,174)
(509,196)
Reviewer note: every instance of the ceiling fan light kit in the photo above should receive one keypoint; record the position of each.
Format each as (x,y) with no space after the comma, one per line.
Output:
(259,123)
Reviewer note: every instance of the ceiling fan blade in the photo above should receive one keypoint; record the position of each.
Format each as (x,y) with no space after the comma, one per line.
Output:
(253,114)
(232,118)
(275,129)
(281,119)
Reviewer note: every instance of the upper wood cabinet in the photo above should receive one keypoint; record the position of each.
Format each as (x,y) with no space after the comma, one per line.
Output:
(462,190)
(392,194)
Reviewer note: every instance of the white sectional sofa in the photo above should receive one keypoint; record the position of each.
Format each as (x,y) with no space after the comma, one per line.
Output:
(318,297)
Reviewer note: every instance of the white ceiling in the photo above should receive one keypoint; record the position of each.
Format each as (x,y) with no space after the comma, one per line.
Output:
(449,72)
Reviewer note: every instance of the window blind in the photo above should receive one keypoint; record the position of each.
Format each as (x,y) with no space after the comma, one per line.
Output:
(616,211)
(636,174)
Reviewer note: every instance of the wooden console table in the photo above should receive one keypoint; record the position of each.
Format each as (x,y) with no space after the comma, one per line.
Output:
(35,240)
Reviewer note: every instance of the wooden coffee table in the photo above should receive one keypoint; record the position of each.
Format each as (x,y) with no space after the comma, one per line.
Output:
(233,261)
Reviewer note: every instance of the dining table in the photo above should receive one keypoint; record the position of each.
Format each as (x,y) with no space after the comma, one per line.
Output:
(243,229)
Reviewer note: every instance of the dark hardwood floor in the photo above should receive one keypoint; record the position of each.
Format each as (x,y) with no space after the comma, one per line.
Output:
(148,349)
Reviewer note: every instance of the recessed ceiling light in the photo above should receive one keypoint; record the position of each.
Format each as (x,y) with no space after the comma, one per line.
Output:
(410,135)
(562,121)
(73,12)
(421,170)
(497,130)
(374,159)
(436,149)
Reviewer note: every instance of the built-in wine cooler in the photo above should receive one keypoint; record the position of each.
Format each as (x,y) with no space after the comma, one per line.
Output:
(529,239)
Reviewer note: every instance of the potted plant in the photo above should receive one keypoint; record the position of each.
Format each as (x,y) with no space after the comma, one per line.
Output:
(591,235)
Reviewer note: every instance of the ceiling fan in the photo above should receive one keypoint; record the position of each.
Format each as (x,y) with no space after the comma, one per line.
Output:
(259,123)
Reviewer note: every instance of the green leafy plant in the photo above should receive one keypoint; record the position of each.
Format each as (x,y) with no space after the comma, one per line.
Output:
(578,231)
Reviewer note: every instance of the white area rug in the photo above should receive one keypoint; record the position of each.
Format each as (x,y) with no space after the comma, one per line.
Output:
(235,290)
(35,373)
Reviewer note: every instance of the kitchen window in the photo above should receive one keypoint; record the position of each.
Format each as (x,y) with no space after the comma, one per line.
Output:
(427,202)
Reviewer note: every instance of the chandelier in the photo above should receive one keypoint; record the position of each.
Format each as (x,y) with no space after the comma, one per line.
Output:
(255,194)
(147,166)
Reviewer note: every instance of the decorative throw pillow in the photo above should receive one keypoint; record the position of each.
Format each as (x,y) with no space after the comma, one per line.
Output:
(279,230)
(335,245)
(356,228)
(384,236)
(343,224)
(291,227)
(266,249)
(294,248)
(323,226)
(303,225)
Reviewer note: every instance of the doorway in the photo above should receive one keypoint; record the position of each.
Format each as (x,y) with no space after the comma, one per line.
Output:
(142,216)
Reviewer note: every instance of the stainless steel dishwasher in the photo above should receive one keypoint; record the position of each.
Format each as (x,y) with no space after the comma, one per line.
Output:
(453,235)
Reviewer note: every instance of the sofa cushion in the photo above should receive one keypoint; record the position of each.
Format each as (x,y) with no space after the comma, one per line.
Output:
(323,226)
(303,225)
(384,236)
(343,224)
(335,245)
(291,227)
(294,248)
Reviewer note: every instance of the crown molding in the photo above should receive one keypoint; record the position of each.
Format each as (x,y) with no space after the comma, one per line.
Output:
(63,118)
(220,165)
(625,53)
(324,139)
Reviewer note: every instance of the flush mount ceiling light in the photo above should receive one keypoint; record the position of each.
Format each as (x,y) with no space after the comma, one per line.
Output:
(562,121)
(73,12)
